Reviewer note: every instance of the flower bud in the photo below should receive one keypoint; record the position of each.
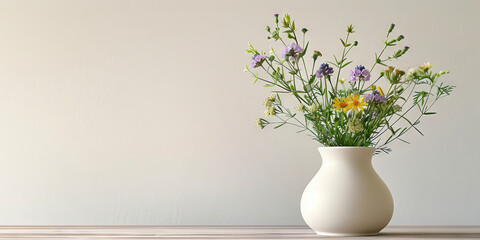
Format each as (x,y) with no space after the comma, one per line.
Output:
(373,87)
(316,54)
(304,30)
(399,38)
(392,26)
(276,17)
(355,43)
(380,90)
(350,29)
(399,72)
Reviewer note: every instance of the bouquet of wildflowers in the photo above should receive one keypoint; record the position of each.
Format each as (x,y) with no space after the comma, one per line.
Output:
(339,111)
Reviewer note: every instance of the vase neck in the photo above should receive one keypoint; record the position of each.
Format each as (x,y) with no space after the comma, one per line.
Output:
(347,155)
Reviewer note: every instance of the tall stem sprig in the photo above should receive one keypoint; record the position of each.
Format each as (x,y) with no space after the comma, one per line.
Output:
(341,64)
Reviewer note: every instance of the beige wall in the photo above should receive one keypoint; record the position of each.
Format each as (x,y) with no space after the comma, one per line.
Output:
(138,112)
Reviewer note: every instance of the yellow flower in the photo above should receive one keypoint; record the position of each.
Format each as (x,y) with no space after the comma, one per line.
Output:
(342,80)
(426,66)
(341,104)
(380,91)
(356,103)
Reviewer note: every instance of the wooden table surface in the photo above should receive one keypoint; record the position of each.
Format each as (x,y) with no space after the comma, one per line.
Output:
(223,232)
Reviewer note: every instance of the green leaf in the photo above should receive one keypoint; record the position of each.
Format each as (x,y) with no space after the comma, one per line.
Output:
(336,60)
(304,51)
(251,49)
(419,97)
(344,65)
(343,43)
(332,96)
(246,69)
(403,141)
(429,113)
(334,64)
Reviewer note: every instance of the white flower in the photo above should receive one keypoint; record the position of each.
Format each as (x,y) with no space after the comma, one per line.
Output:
(300,107)
(355,126)
(261,123)
(413,73)
(313,108)
(270,111)
(269,100)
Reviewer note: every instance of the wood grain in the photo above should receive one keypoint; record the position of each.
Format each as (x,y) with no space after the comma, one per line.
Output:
(224,232)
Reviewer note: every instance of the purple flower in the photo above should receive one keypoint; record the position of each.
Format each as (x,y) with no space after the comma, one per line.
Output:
(359,73)
(292,51)
(324,70)
(380,98)
(375,96)
(369,97)
(366,74)
(353,78)
(257,60)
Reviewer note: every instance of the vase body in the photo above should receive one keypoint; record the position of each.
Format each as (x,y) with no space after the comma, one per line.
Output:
(346,197)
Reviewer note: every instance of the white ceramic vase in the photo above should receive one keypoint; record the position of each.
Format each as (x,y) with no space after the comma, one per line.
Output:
(347,197)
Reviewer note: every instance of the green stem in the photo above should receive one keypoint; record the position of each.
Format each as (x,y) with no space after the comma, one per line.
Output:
(343,57)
